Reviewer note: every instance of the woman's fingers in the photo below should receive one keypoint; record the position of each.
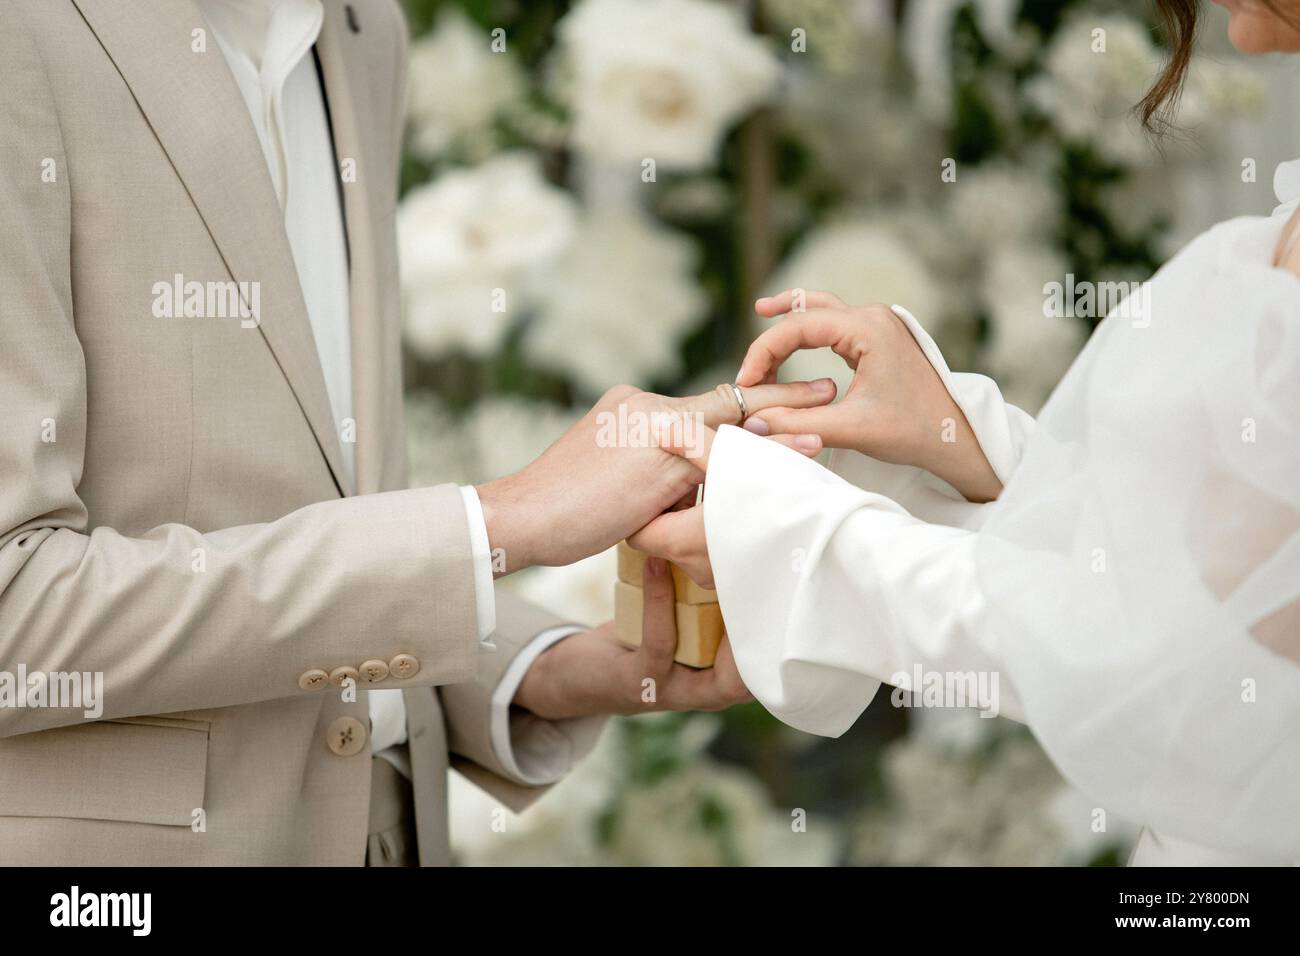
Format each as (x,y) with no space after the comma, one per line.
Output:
(837,426)
(678,536)
(838,330)
(797,300)
(658,619)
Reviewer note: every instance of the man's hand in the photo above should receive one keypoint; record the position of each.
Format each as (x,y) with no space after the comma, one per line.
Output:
(896,409)
(591,673)
(606,477)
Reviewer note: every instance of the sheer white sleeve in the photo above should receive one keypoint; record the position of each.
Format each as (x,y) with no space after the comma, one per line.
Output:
(1136,588)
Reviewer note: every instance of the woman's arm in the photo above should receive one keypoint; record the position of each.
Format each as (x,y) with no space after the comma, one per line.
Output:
(829,590)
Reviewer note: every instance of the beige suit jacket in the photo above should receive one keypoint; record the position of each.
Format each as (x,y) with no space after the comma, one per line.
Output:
(172,511)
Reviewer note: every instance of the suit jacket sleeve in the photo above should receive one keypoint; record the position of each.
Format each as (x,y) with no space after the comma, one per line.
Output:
(470,709)
(177,619)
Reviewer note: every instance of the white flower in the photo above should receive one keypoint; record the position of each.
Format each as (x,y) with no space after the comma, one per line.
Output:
(582,592)
(457,85)
(927,44)
(507,432)
(704,814)
(998,805)
(1097,68)
(1000,202)
(615,308)
(471,245)
(1028,351)
(660,79)
(438,450)
(862,262)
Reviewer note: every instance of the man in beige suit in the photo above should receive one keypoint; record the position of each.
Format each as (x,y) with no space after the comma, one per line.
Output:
(186,511)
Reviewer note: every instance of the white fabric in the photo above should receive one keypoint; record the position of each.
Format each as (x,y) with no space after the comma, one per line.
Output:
(267,45)
(535,765)
(1120,588)
(481,552)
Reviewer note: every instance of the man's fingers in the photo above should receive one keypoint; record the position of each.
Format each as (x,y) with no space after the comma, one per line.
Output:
(789,395)
(685,435)
(727,675)
(695,442)
(834,425)
(819,328)
(797,300)
(720,406)
(658,619)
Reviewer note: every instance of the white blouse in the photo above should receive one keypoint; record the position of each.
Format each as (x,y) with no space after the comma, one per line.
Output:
(1134,593)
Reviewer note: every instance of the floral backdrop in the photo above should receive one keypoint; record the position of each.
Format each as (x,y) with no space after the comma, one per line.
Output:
(593,194)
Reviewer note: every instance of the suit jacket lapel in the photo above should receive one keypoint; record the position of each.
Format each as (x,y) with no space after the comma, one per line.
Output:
(194,106)
(371,360)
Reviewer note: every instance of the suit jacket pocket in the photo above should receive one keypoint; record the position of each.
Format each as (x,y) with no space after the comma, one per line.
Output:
(136,770)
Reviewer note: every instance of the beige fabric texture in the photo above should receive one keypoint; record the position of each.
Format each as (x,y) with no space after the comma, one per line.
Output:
(185,532)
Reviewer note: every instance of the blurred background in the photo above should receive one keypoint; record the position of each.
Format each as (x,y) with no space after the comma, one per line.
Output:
(593,193)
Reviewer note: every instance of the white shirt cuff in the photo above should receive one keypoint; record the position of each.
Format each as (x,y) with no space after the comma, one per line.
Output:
(481,553)
(534,765)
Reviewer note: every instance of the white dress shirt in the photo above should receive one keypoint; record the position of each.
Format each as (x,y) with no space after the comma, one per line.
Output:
(268,47)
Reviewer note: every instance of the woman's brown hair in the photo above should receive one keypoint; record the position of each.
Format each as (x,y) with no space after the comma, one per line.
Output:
(1179,20)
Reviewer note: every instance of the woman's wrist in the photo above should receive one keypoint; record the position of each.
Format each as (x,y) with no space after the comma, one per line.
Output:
(952,452)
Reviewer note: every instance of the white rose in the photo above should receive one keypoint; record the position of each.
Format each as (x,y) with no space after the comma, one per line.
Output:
(999,202)
(1028,350)
(660,79)
(472,244)
(616,307)
(1088,92)
(457,85)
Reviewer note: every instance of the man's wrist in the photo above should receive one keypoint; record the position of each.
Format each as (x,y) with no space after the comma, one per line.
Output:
(506,528)
(537,690)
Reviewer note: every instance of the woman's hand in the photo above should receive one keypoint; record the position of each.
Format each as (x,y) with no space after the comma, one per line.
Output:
(896,409)
(591,673)
(678,536)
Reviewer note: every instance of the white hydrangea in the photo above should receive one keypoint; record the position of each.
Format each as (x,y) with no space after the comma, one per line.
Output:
(438,451)
(472,244)
(967,791)
(1001,202)
(1028,351)
(862,262)
(616,307)
(457,85)
(660,79)
(660,824)
(508,431)
(1097,68)
(581,592)
(927,45)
